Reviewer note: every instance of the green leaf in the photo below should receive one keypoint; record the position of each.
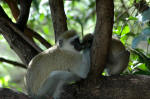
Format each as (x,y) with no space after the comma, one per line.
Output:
(124,39)
(143,67)
(117,31)
(148,40)
(125,30)
(42,17)
(132,18)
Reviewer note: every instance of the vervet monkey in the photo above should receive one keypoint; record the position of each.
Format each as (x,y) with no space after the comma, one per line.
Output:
(118,56)
(61,64)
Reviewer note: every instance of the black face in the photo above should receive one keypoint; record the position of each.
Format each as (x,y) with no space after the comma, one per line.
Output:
(76,43)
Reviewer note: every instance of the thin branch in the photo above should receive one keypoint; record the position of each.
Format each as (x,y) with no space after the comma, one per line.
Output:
(58,17)
(141,6)
(22,48)
(124,6)
(27,31)
(13,63)
(37,36)
(12,25)
(126,11)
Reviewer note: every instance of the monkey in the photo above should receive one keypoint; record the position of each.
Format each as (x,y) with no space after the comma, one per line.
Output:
(65,62)
(118,56)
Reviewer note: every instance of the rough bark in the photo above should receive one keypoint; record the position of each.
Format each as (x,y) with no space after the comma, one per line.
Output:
(24,50)
(6,93)
(27,31)
(58,17)
(102,35)
(115,87)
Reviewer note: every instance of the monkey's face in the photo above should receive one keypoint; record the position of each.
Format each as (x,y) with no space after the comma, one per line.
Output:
(76,43)
(70,44)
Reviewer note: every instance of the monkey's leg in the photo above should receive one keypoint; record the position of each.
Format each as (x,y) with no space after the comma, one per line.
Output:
(119,63)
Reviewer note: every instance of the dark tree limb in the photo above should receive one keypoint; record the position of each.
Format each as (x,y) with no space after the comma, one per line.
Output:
(24,13)
(27,31)
(32,34)
(58,17)
(115,87)
(6,20)
(23,49)
(13,6)
(102,35)
(13,63)
(141,6)
(6,93)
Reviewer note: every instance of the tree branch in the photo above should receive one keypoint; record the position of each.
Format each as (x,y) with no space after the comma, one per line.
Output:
(124,6)
(141,6)
(102,35)
(23,49)
(115,87)
(58,17)
(13,63)
(24,13)
(27,31)
(13,6)
(6,93)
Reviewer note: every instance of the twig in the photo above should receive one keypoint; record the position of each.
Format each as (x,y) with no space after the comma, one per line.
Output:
(13,63)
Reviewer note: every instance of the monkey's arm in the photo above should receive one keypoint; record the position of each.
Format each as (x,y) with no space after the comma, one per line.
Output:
(86,63)
(54,83)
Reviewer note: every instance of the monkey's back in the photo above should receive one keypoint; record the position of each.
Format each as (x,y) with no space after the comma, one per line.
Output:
(44,63)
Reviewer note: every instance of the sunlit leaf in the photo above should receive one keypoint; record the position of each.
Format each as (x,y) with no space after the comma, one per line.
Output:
(125,30)
(132,18)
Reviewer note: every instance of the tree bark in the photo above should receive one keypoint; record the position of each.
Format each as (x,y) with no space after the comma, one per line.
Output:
(24,50)
(115,87)
(102,36)
(58,17)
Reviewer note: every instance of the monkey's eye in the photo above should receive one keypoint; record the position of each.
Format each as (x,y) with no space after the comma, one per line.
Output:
(60,43)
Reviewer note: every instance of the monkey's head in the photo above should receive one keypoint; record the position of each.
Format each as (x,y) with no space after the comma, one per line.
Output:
(70,41)
(87,41)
